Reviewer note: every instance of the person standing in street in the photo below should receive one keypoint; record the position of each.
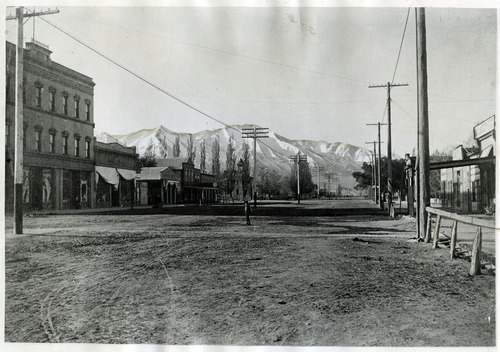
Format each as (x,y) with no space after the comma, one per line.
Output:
(248,211)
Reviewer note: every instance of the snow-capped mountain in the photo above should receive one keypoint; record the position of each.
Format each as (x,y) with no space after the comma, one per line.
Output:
(338,159)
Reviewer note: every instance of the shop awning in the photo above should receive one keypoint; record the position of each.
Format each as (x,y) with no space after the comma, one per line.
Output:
(127,174)
(109,174)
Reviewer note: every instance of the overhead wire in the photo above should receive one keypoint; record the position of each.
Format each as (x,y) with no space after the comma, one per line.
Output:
(152,84)
(399,55)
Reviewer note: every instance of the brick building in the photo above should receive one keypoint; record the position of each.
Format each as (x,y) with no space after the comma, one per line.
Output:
(59,159)
(116,169)
(195,186)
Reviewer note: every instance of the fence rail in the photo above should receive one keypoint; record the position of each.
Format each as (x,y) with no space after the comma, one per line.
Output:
(475,267)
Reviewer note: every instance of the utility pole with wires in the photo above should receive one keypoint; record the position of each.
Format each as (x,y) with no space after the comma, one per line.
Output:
(297,159)
(380,201)
(254,133)
(318,169)
(374,172)
(19,107)
(329,176)
(423,127)
(389,145)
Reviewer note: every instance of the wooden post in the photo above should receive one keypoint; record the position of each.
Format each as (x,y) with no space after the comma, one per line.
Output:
(423,121)
(428,228)
(436,232)
(453,241)
(475,264)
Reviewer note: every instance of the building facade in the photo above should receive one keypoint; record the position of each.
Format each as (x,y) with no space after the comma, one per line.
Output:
(116,168)
(195,186)
(468,181)
(58,141)
(158,185)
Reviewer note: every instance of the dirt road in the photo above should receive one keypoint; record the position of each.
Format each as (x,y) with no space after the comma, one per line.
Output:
(293,281)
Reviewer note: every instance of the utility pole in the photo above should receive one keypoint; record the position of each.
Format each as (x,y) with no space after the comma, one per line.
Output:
(389,146)
(19,129)
(255,132)
(380,200)
(374,173)
(318,169)
(297,159)
(423,124)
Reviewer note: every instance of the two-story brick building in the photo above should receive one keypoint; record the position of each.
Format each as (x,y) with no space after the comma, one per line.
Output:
(116,168)
(195,186)
(58,132)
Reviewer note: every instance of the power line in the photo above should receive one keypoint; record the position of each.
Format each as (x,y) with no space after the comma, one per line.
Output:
(138,76)
(154,85)
(401,45)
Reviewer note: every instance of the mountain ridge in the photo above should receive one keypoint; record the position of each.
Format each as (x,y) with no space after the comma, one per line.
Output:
(338,159)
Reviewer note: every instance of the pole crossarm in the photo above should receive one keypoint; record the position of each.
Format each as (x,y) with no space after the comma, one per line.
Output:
(255,133)
(33,14)
(388,85)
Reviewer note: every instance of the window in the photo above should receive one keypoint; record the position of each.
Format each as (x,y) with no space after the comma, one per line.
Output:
(38,96)
(38,138)
(52,140)
(87,110)
(65,143)
(7,131)
(65,103)
(77,145)
(87,148)
(25,128)
(52,99)
(77,107)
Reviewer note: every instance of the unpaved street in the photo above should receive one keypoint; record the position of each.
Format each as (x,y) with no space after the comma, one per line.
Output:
(185,279)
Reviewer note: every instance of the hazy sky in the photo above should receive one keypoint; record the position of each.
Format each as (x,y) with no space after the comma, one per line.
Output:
(302,72)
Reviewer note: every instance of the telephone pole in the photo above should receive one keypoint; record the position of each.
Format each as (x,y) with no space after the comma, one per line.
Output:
(380,200)
(389,146)
(254,133)
(374,172)
(19,130)
(423,125)
(297,159)
(318,169)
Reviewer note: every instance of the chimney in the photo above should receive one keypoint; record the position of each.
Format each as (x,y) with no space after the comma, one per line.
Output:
(39,51)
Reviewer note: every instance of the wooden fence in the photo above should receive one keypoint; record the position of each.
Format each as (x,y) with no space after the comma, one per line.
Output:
(475,267)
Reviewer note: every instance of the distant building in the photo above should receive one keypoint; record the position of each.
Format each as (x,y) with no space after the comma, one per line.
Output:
(468,181)
(116,168)
(158,185)
(58,132)
(194,186)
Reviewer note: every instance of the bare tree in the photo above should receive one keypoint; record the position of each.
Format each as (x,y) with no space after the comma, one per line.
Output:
(245,177)
(177,147)
(202,157)
(191,149)
(230,172)
(216,158)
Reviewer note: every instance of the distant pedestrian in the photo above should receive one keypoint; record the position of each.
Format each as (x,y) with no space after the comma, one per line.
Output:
(248,211)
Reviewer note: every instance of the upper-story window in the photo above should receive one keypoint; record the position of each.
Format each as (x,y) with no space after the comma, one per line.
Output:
(52,140)
(38,138)
(25,128)
(65,103)
(87,110)
(87,148)
(77,106)
(77,145)
(7,130)
(38,94)
(65,136)
(52,99)
(24,90)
